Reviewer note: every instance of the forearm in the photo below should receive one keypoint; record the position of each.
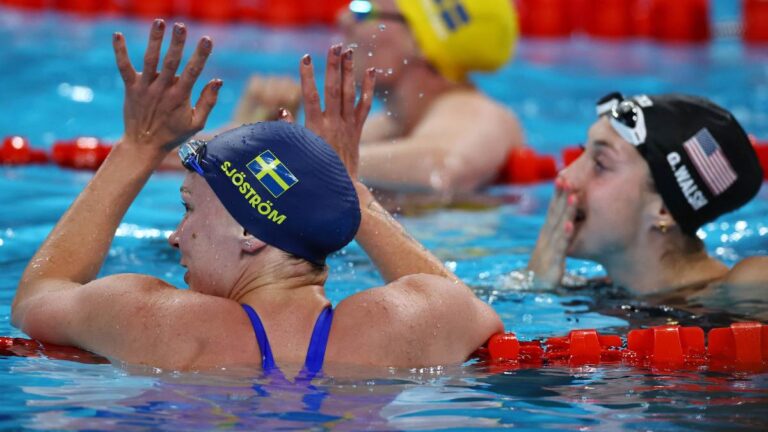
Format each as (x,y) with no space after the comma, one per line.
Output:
(405,166)
(76,248)
(394,252)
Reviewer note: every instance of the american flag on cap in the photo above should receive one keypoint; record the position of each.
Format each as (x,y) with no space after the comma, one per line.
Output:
(710,162)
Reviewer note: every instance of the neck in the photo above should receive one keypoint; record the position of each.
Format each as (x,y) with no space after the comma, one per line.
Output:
(656,266)
(409,97)
(278,280)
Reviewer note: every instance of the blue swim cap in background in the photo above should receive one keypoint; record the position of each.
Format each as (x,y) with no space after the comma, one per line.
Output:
(286,186)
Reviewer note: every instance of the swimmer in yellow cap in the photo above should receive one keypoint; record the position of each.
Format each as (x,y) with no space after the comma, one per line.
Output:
(436,132)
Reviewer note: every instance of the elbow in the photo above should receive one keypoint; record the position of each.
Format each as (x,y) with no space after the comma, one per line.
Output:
(19,310)
(448,176)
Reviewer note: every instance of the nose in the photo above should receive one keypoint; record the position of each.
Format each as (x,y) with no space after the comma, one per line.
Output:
(173,239)
(574,174)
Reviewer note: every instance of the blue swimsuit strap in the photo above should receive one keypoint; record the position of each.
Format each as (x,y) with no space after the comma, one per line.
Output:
(267,360)
(318,342)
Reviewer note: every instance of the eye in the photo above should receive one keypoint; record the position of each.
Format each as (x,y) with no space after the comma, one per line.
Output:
(599,165)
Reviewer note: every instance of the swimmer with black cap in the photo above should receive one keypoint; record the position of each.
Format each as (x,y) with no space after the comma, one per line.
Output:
(655,169)
(265,205)
(437,134)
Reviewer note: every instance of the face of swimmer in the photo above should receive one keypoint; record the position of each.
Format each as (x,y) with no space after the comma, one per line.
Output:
(617,204)
(382,43)
(211,242)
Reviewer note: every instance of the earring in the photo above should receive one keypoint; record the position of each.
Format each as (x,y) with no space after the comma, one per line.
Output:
(662,226)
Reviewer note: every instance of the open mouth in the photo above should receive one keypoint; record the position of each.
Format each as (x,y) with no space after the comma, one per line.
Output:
(580,216)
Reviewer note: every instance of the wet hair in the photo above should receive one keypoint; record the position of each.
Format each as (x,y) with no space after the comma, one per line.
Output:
(316,268)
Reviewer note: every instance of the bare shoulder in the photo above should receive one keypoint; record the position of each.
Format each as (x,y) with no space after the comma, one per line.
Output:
(474,106)
(749,270)
(141,320)
(378,128)
(415,320)
(469,118)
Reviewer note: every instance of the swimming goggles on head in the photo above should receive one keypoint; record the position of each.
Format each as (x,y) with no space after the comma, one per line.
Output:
(626,117)
(364,10)
(191,153)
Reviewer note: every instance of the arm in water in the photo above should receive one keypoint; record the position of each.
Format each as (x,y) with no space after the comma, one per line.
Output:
(59,299)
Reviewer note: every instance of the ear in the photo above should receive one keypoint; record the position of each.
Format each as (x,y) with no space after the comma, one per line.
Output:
(250,244)
(656,216)
(664,220)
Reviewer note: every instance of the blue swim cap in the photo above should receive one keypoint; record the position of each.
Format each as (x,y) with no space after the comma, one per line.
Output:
(285,185)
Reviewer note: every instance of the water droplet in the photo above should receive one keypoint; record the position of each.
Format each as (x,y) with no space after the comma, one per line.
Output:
(389,113)
(405,61)
(389,71)
(382,27)
(421,95)
(370,53)
(353,45)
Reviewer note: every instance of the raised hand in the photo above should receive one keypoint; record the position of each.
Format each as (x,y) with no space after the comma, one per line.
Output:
(157,111)
(264,96)
(548,259)
(341,124)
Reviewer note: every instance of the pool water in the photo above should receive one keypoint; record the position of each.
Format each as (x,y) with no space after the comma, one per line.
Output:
(58,81)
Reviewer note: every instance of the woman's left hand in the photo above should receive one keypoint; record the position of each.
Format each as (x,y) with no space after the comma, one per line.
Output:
(341,124)
(157,111)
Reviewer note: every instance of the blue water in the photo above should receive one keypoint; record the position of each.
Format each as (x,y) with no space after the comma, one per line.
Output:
(58,80)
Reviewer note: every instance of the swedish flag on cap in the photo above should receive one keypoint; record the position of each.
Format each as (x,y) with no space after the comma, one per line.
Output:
(461,36)
(284,185)
(272,173)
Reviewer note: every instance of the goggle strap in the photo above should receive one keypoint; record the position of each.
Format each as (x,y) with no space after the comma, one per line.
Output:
(606,107)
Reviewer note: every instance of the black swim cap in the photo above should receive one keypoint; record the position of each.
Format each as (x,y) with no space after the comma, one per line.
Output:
(283,184)
(701,160)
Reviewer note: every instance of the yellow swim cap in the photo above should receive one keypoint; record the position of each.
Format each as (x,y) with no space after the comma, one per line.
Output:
(459,36)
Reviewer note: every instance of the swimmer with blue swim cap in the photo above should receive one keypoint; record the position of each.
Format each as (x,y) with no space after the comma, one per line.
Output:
(656,168)
(266,204)
(437,134)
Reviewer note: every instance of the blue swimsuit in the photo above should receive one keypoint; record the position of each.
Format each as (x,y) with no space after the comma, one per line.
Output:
(317,344)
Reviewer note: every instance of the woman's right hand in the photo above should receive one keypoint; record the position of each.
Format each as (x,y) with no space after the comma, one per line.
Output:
(157,111)
(548,258)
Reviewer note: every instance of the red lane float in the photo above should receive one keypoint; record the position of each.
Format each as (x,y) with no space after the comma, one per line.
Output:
(582,347)
(219,10)
(545,18)
(611,19)
(83,6)
(679,20)
(17,151)
(26,4)
(523,165)
(742,347)
(279,12)
(570,154)
(668,347)
(150,9)
(80,153)
(19,347)
(755,18)
(761,148)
